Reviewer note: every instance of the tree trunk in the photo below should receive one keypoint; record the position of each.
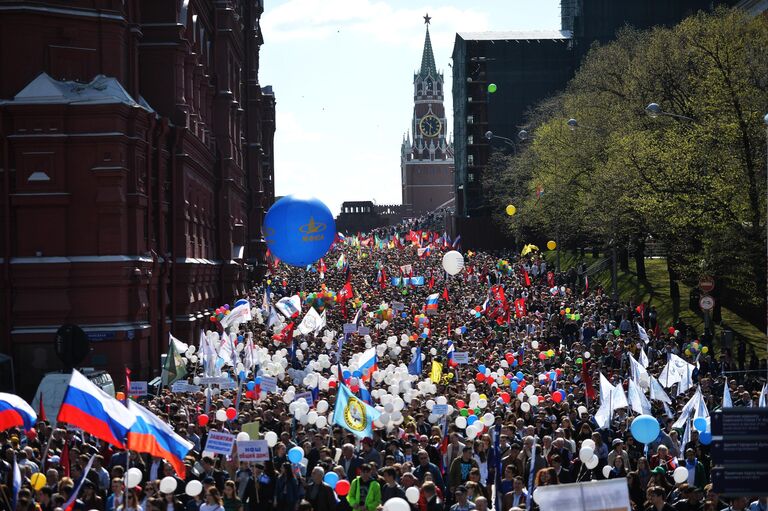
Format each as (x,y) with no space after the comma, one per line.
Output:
(624,259)
(674,291)
(640,260)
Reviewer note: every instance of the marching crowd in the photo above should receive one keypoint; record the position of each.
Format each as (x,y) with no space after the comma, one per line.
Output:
(525,409)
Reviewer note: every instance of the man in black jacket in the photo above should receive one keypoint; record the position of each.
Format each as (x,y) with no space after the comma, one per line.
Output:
(318,493)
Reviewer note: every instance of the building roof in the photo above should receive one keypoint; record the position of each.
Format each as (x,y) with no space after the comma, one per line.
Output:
(517,35)
(101,90)
(428,58)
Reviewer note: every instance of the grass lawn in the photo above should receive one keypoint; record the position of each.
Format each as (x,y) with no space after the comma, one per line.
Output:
(656,292)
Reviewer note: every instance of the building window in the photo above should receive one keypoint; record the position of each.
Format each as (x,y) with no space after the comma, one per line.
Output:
(470,159)
(471,139)
(471,177)
(470,119)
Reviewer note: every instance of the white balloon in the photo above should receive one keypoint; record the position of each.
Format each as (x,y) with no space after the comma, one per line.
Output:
(196,380)
(588,442)
(441,400)
(412,494)
(168,484)
(529,390)
(453,262)
(471,432)
(525,407)
(534,400)
(586,453)
(433,351)
(591,463)
(221,415)
(133,477)
(680,475)
(587,354)
(582,410)
(312,417)
(461,422)
(482,403)
(488,419)
(607,471)
(322,406)
(321,422)
(397,504)
(271,438)
(535,345)
(194,488)
(243,436)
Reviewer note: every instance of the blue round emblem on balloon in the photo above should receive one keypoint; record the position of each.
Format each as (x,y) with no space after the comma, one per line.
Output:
(299,231)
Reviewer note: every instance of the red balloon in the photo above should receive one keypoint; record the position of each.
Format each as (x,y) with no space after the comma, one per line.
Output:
(332,384)
(489,380)
(460,404)
(471,411)
(542,356)
(480,377)
(31,434)
(505,397)
(249,394)
(231,413)
(342,487)
(202,420)
(355,388)
(671,330)
(452,363)
(557,396)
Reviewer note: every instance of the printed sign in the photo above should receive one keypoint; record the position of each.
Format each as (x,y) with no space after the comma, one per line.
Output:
(350,328)
(398,306)
(461,357)
(179,386)
(364,330)
(439,410)
(305,395)
(268,384)
(252,428)
(253,450)
(138,388)
(220,442)
(228,385)
(213,380)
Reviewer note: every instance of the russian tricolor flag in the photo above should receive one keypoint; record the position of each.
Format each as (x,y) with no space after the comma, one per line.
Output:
(152,435)
(432,301)
(94,411)
(15,412)
(368,363)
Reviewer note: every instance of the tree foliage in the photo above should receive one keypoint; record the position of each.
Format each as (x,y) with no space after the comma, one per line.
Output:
(695,185)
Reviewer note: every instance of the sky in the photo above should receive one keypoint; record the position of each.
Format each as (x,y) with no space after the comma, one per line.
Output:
(342,73)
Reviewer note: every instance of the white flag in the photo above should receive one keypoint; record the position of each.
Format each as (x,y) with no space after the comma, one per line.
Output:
(727,401)
(643,358)
(643,334)
(688,409)
(763,395)
(657,392)
(239,314)
(290,306)
(311,322)
(637,399)
(639,373)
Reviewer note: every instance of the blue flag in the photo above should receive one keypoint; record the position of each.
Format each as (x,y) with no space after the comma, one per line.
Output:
(414,367)
(352,414)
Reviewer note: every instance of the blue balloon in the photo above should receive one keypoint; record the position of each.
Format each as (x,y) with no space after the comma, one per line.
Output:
(331,478)
(241,376)
(645,428)
(514,362)
(405,315)
(471,420)
(357,374)
(700,423)
(705,438)
(520,375)
(481,368)
(250,385)
(299,231)
(552,375)
(257,380)
(513,385)
(346,374)
(295,455)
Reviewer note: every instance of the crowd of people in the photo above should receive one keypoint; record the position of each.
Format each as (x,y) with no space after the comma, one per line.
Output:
(520,410)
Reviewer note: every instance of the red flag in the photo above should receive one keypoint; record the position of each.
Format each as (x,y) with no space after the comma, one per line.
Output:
(431,281)
(589,387)
(64,461)
(550,279)
(526,277)
(383,278)
(520,308)
(41,412)
(286,334)
(346,292)
(445,294)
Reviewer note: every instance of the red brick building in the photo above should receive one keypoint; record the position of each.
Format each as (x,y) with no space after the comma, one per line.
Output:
(136,161)
(426,161)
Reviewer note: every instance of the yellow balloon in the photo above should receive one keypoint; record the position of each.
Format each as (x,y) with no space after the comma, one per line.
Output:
(567,310)
(551,245)
(704,349)
(511,210)
(38,480)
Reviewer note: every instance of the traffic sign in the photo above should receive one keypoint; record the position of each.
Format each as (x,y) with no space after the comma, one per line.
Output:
(740,481)
(706,284)
(707,303)
(740,422)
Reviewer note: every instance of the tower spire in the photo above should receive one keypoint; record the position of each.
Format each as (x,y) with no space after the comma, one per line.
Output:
(427,57)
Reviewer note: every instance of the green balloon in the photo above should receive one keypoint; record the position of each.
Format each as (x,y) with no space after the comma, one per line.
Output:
(464,412)
(579,361)
(478,412)
(492,88)
(617,332)
(578,316)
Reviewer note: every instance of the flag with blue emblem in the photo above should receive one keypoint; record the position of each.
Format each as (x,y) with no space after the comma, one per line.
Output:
(353,414)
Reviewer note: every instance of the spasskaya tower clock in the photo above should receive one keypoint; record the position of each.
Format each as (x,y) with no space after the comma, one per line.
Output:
(426,160)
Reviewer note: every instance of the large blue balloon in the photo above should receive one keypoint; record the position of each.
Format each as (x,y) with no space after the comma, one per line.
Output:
(705,438)
(299,231)
(645,428)
(700,423)
(331,478)
(295,455)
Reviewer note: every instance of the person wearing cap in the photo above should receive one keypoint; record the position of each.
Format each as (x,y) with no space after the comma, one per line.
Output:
(462,503)
(618,452)
(364,493)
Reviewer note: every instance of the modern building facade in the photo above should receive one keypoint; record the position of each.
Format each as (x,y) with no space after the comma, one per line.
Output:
(526,68)
(135,149)
(426,160)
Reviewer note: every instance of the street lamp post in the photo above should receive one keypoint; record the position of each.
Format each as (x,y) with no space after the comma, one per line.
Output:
(654,110)
(765,121)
